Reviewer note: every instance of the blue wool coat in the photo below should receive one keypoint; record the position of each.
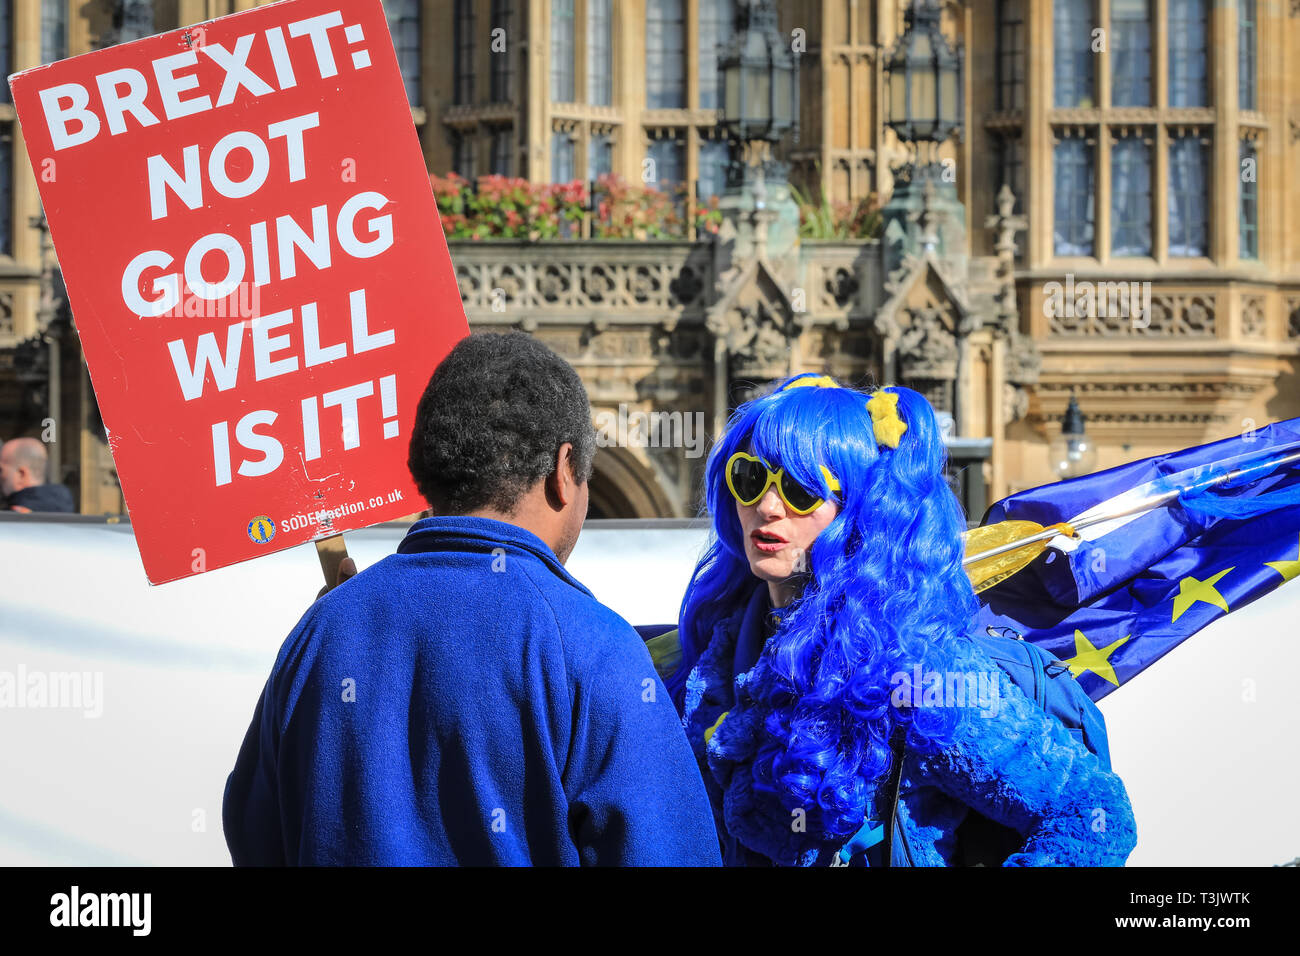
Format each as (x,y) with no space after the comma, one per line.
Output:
(1019,768)
(466,700)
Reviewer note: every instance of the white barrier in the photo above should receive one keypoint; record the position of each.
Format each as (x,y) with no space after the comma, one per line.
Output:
(1206,740)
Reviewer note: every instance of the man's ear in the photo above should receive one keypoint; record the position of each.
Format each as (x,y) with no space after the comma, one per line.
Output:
(561,485)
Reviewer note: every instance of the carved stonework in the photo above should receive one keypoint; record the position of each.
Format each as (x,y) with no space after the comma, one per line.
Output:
(687,286)
(1024,361)
(687,345)
(1005,225)
(1177,390)
(927,348)
(622,345)
(1015,403)
(504,283)
(1293,317)
(837,288)
(759,341)
(553,284)
(1024,364)
(567,343)
(1196,403)
(1182,315)
(756,324)
(1253,321)
(7,329)
(923,323)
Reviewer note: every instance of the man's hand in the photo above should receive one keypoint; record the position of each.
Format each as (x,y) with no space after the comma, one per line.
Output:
(347,569)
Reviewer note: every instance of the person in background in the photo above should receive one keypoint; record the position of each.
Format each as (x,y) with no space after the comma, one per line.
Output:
(466,700)
(23,465)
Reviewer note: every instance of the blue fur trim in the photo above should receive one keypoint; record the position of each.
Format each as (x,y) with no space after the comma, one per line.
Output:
(1020,768)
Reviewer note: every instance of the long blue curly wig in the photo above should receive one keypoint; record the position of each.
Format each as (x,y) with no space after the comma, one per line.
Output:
(886,592)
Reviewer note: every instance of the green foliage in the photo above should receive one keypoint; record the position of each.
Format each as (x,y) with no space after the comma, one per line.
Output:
(838,220)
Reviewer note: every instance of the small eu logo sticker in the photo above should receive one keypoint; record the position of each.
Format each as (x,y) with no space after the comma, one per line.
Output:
(261,529)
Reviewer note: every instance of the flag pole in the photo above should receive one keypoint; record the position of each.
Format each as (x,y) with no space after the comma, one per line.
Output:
(1146,503)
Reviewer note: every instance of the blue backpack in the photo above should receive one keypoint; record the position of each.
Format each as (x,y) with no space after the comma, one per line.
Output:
(1046,680)
(1043,678)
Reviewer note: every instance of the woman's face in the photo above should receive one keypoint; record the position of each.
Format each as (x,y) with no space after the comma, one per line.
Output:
(776,539)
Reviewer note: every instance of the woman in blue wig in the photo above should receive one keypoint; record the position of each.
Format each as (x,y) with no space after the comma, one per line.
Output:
(831,593)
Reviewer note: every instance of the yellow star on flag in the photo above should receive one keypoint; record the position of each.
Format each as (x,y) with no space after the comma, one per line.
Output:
(1089,658)
(1288,569)
(1191,590)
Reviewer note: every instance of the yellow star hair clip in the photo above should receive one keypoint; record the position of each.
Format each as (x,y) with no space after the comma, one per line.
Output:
(818,381)
(885,422)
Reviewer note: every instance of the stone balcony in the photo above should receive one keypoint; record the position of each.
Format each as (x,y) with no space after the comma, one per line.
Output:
(1202,360)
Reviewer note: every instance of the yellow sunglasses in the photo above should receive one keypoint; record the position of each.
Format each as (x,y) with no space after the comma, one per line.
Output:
(749,478)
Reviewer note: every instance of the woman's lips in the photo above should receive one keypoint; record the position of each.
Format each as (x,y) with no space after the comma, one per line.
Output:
(769,544)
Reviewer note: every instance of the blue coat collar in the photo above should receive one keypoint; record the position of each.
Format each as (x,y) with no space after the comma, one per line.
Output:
(470,533)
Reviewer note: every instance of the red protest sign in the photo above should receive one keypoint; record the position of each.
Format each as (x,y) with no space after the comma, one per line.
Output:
(256,268)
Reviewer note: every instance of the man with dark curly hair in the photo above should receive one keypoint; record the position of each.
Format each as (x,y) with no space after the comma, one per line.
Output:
(466,700)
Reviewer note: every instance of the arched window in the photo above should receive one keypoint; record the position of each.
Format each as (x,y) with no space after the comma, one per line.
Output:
(1075,189)
(600,52)
(717,23)
(665,55)
(715,157)
(562,51)
(1011,54)
(463,158)
(54,30)
(463,52)
(1248,205)
(668,157)
(404,25)
(1130,54)
(600,155)
(503,51)
(1130,198)
(1188,34)
(1247,55)
(6,45)
(562,157)
(6,189)
(1189,188)
(133,19)
(1072,71)
(503,145)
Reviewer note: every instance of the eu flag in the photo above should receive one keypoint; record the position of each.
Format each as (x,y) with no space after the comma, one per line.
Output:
(1135,587)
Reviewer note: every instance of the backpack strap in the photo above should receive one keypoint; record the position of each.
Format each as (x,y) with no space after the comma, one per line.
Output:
(896,744)
(872,831)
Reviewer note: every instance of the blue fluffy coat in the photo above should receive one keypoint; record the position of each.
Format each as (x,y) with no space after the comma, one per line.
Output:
(1020,768)
(466,700)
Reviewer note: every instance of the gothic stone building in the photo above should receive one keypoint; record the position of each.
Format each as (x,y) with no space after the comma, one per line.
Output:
(1145,145)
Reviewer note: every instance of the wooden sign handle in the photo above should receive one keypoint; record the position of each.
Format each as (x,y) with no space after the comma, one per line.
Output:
(331,551)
